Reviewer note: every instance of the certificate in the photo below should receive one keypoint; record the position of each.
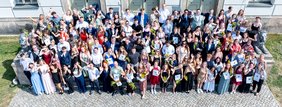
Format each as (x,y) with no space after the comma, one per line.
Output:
(116,77)
(226,75)
(155,72)
(129,80)
(238,77)
(121,57)
(257,77)
(233,63)
(110,61)
(249,80)
(175,40)
(229,27)
(177,77)
(119,83)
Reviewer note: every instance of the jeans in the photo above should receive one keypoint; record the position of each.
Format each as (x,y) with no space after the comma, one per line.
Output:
(259,84)
(93,84)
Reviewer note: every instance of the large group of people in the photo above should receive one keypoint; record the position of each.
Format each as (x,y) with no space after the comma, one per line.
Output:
(187,50)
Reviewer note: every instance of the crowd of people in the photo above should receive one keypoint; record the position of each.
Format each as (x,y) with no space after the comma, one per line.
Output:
(188,50)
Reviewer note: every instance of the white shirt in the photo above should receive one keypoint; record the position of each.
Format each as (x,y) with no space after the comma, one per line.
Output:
(64,44)
(163,15)
(97,58)
(25,62)
(81,24)
(94,74)
(129,17)
(128,30)
(170,50)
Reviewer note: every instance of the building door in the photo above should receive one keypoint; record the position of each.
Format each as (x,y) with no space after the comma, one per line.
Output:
(204,5)
(79,4)
(136,5)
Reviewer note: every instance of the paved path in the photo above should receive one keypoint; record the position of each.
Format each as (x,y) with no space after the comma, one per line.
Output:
(25,99)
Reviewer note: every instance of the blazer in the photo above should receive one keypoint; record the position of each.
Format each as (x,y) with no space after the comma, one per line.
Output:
(207,15)
(65,59)
(185,22)
(146,18)
(91,31)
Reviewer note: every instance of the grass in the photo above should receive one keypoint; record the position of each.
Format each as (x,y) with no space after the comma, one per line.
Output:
(9,47)
(274,81)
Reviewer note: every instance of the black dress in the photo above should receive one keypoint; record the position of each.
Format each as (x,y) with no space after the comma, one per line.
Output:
(56,77)
(246,87)
(69,82)
(163,84)
(177,72)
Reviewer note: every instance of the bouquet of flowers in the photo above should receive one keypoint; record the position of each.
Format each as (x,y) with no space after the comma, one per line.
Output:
(185,77)
(132,85)
(165,78)
(177,82)
(143,75)
(234,24)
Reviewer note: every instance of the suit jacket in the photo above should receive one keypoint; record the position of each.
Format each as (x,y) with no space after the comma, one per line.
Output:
(110,33)
(196,47)
(108,45)
(207,15)
(209,51)
(185,22)
(108,16)
(146,18)
(65,59)
(91,31)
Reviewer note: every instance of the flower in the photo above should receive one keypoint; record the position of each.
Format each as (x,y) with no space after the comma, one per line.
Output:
(132,85)
(143,75)
(177,82)
(185,77)
(165,78)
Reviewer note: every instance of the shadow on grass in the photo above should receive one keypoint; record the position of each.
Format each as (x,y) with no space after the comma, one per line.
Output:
(9,74)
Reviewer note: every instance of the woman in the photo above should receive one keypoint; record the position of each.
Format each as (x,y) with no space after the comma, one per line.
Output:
(177,73)
(68,17)
(35,79)
(48,84)
(106,79)
(189,76)
(256,27)
(57,77)
(142,75)
(210,81)
(221,16)
(202,77)
(154,79)
(218,65)
(68,79)
(225,76)
(83,34)
(161,35)
(157,57)
(156,44)
(248,77)
(165,77)
(237,80)
(101,34)
(40,22)
(259,78)
(74,55)
(46,55)
(197,34)
(129,76)
(121,55)
(182,52)
(155,15)
(79,78)
(84,56)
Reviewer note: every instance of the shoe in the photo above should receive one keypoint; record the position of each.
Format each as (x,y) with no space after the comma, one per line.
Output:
(113,93)
(99,92)
(201,91)
(198,91)
(155,91)
(152,91)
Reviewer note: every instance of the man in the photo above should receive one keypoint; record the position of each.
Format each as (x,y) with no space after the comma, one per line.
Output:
(23,40)
(62,43)
(97,58)
(97,45)
(229,12)
(128,16)
(128,29)
(115,74)
(137,27)
(128,45)
(185,21)
(81,23)
(209,48)
(65,57)
(167,27)
(168,50)
(91,30)
(112,32)
(198,20)
(55,18)
(110,14)
(112,45)
(142,18)
(134,57)
(164,13)
(209,16)
(94,74)
(34,54)
(24,62)
(196,47)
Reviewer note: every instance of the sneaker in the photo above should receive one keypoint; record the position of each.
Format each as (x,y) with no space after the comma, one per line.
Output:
(155,91)
(99,92)
(152,91)
(198,91)
(90,93)
(201,91)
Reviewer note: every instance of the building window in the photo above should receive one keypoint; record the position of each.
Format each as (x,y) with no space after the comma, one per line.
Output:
(260,3)
(26,2)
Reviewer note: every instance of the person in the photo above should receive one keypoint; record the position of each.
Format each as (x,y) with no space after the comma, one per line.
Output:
(237,79)
(128,16)
(129,76)
(35,79)
(209,85)
(24,62)
(105,77)
(154,78)
(97,58)
(259,77)
(65,57)
(94,74)
(189,77)
(202,77)
(198,19)
(248,77)
(57,77)
(225,76)
(163,12)
(79,78)
(48,83)
(142,77)
(115,74)
(110,14)
(68,79)
(81,23)
(142,18)
(177,73)
(165,77)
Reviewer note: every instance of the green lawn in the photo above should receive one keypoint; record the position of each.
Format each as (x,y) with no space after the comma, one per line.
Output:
(274,81)
(8,49)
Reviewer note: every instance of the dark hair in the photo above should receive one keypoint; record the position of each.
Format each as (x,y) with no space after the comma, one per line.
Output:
(53,13)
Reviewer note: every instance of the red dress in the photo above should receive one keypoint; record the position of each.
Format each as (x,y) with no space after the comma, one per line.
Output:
(234,78)
(83,36)
(47,58)
(154,79)
(101,36)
